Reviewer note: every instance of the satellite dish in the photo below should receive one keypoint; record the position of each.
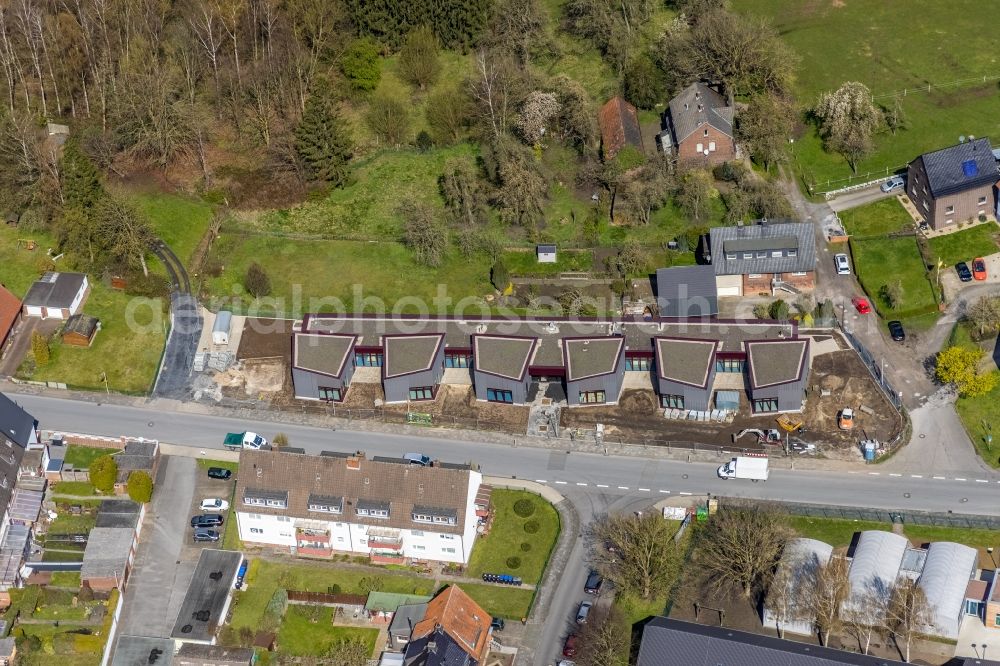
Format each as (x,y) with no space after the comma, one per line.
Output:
(961,139)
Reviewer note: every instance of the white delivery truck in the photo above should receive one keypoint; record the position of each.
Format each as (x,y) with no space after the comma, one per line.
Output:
(745,467)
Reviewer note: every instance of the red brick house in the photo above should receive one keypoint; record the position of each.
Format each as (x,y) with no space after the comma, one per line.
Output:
(955,184)
(619,122)
(698,126)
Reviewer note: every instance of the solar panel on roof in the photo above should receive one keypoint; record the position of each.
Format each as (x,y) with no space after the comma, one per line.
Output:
(970,168)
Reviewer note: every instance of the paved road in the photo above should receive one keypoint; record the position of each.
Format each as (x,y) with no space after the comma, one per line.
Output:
(859,198)
(174,377)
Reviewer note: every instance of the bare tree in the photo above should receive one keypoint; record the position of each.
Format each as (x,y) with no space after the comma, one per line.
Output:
(831,588)
(425,234)
(908,614)
(604,640)
(741,545)
(637,553)
(125,233)
(867,616)
(492,88)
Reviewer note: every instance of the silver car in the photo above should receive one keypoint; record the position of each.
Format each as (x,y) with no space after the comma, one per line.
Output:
(842,263)
(583,612)
(893,184)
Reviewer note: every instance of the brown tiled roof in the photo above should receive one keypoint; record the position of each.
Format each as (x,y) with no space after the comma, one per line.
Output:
(399,486)
(619,123)
(10,306)
(455,613)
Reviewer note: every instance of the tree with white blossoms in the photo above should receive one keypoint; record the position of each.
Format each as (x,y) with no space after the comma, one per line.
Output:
(848,120)
(536,112)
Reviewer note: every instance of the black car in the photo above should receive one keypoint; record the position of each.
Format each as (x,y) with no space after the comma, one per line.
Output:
(497,624)
(896,331)
(206,520)
(593,584)
(219,473)
(206,535)
(964,274)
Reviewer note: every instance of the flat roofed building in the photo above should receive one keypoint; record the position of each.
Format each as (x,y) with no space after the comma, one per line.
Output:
(194,654)
(686,291)
(208,596)
(108,557)
(143,651)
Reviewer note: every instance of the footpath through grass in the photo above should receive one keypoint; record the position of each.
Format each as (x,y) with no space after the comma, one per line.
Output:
(181,222)
(524,531)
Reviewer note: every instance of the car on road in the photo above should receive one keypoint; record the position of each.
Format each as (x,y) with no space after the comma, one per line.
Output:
(214,504)
(861,305)
(893,184)
(206,520)
(219,473)
(896,331)
(584,611)
(979,268)
(593,584)
(205,535)
(842,263)
(964,274)
(417,459)
(569,647)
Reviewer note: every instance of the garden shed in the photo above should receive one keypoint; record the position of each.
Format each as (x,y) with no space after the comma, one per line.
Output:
(220,331)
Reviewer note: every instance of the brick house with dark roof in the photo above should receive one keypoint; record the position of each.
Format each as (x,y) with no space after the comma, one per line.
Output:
(954,185)
(698,126)
(386,508)
(455,631)
(761,258)
(619,123)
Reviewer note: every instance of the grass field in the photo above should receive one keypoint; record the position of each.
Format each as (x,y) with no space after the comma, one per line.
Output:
(508,537)
(81,456)
(77,488)
(66,579)
(889,49)
(510,603)
(876,219)
(965,245)
(307,632)
(127,348)
(839,533)
(20,267)
(329,275)
(181,222)
(882,261)
(263,578)
(980,417)
(523,264)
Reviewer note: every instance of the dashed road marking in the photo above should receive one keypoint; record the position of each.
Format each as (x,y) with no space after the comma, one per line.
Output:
(683,493)
(644,490)
(982,481)
(602,485)
(580,484)
(622,487)
(939,478)
(958,478)
(665,492)
(540,481)
(874,473)
(895,474)
(916,476)
(561,483)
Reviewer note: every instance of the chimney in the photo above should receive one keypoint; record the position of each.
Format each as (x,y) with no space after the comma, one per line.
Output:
(354,462)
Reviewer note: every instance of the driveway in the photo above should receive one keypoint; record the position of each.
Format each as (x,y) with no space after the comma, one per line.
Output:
(858,198)
(160,577)
(20,341)
(174,376)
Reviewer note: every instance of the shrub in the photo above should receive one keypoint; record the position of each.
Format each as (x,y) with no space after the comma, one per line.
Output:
(499,275)
(525,547)
(531,526)
(279,440)
(424,141)
(147,286)
(257,282)
(513,562)
(360,64)
(40,349)
(278,603)
(103,472)
(140,487)
(524,508)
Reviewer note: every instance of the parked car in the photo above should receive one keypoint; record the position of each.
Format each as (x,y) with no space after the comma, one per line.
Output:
(497,624)
(964,274)
(214,504)
(583,612)
(979,268)
(893,184)
(896,331)
(206,520)
(219,473)
(593,584)
(569,647)
(205,535)
(417,459)
(842,263)
(846,420)
(861,305)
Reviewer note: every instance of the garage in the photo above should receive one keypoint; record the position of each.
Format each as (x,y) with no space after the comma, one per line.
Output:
(729,291)
(729,285)
(33,310)
(56,295)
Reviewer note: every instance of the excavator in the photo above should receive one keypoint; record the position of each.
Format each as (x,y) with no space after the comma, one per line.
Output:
(769,436)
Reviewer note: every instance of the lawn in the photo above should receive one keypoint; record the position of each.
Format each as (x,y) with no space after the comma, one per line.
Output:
(879,218)
(66,579)
(510,539)
(63,644)
(329,276)
(306,631)
(20,267)
(839,533)
(979,415)
(879,262)
(890,50)
(80,457)
(965,245)
(67,523)
(77,488)
(510,603)
(127,348)
(205,463)
(264,577)
(181,222)
(525,264)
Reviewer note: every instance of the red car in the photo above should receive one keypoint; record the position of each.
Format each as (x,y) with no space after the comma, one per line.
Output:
(861,305)
(569,647)
(979,268)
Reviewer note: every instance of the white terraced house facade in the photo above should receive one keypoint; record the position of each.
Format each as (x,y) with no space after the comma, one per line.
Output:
(386,508)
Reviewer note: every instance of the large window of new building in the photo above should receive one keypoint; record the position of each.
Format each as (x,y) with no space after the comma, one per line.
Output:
(457,359)
(368,359)
(592,397)
(729,365)
(765,405)
(638,363)
(499,395)
(333,394)
(672,401)
(422,393)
